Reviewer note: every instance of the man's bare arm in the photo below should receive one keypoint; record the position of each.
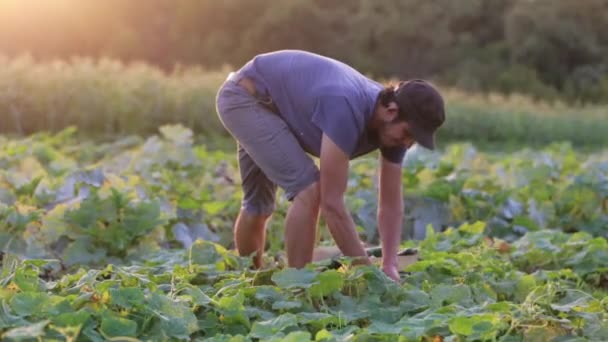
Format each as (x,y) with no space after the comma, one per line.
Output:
(334,177)
(390,211)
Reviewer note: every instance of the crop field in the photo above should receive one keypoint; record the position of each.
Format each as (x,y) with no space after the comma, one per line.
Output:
(131,240)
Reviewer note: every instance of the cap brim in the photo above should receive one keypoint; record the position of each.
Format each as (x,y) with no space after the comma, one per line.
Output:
(424,138)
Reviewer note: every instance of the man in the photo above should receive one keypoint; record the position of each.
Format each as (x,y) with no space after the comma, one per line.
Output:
(284,106)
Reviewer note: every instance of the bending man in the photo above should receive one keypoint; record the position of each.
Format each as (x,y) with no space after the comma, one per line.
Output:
(283,106)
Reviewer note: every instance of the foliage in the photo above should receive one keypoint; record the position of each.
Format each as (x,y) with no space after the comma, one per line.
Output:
(549,51)
(131,240)
(60,196)
(464,288)
(110,98)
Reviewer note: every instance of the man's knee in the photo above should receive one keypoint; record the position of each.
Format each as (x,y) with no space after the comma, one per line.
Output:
(258,211)
(310,196)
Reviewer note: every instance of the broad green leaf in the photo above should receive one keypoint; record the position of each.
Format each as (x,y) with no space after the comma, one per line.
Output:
(227,338)
(525,285)
(71,319)
(475,228)
(324,335)
(292,278)
(213,208)
(415,300)
(198,296)
(233,310)
(267,329)
(177,320)
(319,319)
(30,303)
(379,327)
(268,294)
(114,326)
(81,252)
(32,331)
(482,326)
(340,334)
(53,225)
(204,252)
(295,336)
(463,325)
(127,297)
(500,307)
(328,282)
(450,294)
(27,278)
(286,305)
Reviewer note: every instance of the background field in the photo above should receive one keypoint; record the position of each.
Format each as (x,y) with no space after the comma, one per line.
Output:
(109,98)
(119,187)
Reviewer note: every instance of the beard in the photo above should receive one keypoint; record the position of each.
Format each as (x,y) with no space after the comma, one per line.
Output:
(375,136)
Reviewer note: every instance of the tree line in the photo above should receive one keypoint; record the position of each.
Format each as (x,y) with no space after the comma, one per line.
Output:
(550,49)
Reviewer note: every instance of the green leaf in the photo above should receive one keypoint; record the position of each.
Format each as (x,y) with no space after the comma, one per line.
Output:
(215,207)
(198,296)
(319,319)
(295,336)
(188,203)
(127,297)
(478,326)
(379,327)
(292,278)
(328,282)
(451,294)
(268,294)
(177,320)
(30,303)
(525,285)
(81,251)
(142,218)
(527,222)
(27,278)
(227,338)
(462,325)
(341,334)
(475,228)
(204,252)
(286,305)
(415,300)
(114,326)
(269,328)
(233,309)
(32,331)
(53,225)
(71,319)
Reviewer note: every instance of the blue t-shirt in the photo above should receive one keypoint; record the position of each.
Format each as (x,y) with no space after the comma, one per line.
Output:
(316,94)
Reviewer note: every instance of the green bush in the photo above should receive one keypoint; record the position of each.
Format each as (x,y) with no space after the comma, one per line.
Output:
(105,97)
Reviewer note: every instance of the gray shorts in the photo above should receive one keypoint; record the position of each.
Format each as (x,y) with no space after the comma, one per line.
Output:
(269,155)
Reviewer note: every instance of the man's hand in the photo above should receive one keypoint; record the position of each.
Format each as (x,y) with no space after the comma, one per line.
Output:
(334,177)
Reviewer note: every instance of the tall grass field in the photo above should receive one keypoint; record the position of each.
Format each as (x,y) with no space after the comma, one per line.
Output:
(110,98)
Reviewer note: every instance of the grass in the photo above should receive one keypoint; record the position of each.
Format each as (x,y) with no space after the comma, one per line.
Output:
(107,98)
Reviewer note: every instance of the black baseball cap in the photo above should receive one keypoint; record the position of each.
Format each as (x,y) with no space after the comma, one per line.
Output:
(423,108)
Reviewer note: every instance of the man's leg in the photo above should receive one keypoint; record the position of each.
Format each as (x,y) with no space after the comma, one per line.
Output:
(276,155)
(250,235)
(257,207)
(301,226)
